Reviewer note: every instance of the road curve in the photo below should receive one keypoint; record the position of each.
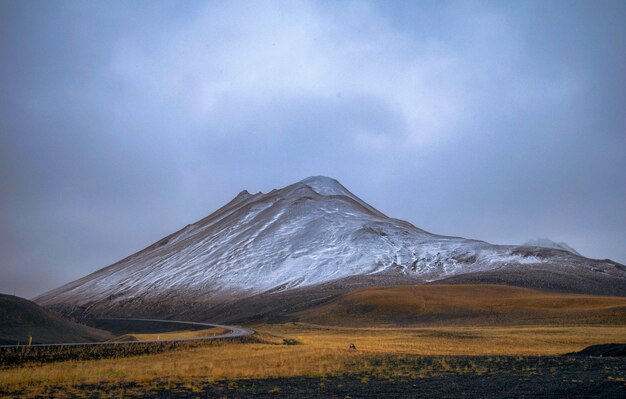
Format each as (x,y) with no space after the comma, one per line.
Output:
(233,332)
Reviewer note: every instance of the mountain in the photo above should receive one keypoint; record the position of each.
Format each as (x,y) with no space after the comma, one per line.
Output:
(265,254)
(548,243)
(21,319)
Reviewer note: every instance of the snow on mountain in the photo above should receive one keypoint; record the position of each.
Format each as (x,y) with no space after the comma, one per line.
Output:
(308,233)
(548,243)
(326,186)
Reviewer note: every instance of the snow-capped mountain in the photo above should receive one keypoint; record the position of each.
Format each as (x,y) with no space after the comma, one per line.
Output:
(306,234)
(548,243)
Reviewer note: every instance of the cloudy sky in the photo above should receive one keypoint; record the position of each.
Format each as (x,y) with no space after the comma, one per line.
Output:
(121,122)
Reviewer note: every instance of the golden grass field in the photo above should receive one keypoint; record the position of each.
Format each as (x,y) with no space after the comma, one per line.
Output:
(466,305)
(185,334)
(323,350)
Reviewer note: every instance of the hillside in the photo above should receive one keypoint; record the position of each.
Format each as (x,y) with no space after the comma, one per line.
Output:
(21,319)
(465,305)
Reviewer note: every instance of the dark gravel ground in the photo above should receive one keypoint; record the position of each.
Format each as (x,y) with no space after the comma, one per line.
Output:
(456,377)
(444,386)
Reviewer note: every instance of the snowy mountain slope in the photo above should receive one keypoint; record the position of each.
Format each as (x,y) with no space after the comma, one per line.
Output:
(548,243)
(308,233)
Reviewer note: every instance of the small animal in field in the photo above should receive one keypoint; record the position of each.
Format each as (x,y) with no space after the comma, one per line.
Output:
(352,346)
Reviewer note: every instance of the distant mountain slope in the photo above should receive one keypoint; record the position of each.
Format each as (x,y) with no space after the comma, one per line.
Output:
(548,243)
(21,319)
(464,305)
(309,233)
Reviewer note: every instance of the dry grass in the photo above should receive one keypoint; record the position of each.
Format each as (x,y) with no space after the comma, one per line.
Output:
(453,340)
(323,351)
(466,305)
(231,361)
(187,334)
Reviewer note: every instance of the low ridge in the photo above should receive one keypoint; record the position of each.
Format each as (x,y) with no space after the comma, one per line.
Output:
(465,305)
(21,320)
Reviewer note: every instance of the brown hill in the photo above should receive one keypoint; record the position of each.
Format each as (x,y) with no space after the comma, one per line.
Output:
(465,305)
(21,319)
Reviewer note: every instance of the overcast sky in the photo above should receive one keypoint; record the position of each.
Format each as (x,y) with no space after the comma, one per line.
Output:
(121,122)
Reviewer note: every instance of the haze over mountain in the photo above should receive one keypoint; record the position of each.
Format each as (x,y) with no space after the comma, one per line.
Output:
(548,243)
(313,233)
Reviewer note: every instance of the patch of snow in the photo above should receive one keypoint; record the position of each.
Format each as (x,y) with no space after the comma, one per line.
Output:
(326,186)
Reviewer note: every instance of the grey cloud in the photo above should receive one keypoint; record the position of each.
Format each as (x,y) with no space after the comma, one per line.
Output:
(120,123)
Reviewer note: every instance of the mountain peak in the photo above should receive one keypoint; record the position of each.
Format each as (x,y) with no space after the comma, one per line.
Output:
(325,185)
(243,194)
